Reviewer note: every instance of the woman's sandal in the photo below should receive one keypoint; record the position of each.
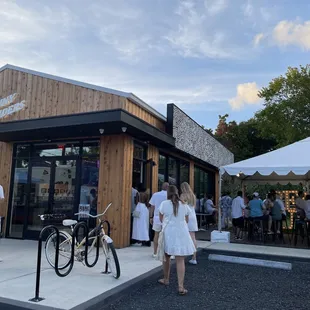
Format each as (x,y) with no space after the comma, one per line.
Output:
(183,291)
(163,282)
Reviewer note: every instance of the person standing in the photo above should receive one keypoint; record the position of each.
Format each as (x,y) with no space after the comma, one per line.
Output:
(237,214)
(155,202)
(189,198)
(225,204)
(300,202)
(175,237)
(140,230)
(210,209)
(256,207)
(134,202)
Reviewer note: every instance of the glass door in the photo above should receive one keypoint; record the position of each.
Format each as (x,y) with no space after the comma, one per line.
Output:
(39,197)
(52,191)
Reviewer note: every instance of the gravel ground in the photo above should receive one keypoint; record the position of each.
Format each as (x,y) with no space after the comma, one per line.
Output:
(217,286)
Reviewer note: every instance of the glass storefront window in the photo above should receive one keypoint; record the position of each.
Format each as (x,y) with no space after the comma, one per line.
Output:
(201,182)
(184,172)
(172,171)
(56,149)
(139,172)
(91,148)
(19,198)
(46,181)
(89,185)
(23,151)
(162,170)
(139,152)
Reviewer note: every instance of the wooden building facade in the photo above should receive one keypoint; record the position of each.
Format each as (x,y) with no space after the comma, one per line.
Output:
(66,144)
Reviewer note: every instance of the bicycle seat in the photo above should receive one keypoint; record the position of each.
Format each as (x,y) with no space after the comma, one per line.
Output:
(69,222)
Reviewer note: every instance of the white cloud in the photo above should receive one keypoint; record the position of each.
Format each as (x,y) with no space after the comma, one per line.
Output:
(248,9)
(195,37)
(247,93)
(215,6)
(292,33)
(20,24)
(258,38)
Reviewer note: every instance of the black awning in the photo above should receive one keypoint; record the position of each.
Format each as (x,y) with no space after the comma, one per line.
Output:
(83,125)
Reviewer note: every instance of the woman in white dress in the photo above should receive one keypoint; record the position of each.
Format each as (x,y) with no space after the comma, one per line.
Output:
(140,226)
(189,198)
(175,235)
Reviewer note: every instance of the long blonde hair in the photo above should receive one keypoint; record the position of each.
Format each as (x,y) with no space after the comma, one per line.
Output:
(187,195)
(173,195)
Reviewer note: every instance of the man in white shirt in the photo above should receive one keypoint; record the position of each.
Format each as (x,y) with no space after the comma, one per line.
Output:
(300,202)
(236,213)
(155,203)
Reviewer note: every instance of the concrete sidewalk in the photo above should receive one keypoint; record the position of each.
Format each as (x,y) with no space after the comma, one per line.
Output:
(258,249)
(18,272)
(84,286)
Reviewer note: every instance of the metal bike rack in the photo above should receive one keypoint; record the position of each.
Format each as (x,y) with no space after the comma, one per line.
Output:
(76,229)
(106,271)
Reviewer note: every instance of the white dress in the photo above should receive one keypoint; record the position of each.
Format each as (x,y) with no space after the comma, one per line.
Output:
(177,240)
(192,220)
(140,226)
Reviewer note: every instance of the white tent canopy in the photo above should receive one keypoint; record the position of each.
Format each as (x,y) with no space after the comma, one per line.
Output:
(290,164)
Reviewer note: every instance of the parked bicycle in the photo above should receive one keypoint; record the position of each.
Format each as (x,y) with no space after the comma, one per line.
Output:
(65,245)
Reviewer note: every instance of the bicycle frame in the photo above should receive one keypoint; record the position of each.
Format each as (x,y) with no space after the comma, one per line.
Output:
(91,235)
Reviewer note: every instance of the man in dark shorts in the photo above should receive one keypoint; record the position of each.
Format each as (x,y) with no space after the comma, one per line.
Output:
(237,214)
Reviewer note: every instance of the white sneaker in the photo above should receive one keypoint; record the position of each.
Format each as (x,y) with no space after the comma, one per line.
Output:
(154,255)
(172,257)
(193,262)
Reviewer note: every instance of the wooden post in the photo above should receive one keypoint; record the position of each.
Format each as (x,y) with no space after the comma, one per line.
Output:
(192,175)
(153,153)
(6,153)
(115,184)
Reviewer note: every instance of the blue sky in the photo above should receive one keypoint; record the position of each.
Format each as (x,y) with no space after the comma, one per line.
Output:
(209,57)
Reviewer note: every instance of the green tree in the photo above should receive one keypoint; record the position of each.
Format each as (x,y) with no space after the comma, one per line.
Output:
(286,114)
(243,139)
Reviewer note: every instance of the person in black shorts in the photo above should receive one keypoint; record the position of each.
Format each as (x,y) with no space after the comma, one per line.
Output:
(237,214)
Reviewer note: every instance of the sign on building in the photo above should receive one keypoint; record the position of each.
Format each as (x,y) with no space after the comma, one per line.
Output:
(9,105)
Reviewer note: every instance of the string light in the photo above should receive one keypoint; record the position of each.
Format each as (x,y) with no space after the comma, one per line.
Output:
(289,200)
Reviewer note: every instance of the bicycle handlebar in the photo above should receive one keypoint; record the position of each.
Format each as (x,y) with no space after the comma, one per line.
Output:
(44,216)
(95,216)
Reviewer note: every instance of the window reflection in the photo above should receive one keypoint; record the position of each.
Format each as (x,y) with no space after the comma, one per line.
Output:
(172,171)
(201,182)
(19,198)
(91,148)
(57,149)
(89,186)
(161,171)
(184,172)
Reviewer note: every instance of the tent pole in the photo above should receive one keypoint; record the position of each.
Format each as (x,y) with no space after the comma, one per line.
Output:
(219,202)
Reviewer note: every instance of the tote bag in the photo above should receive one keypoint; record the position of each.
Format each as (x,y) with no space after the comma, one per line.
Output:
(161,243)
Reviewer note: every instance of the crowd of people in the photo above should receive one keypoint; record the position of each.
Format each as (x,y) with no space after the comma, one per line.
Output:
(173,219)
(271,211)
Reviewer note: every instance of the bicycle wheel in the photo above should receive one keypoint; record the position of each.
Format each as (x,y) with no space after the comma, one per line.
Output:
(111,259)
(64,250)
